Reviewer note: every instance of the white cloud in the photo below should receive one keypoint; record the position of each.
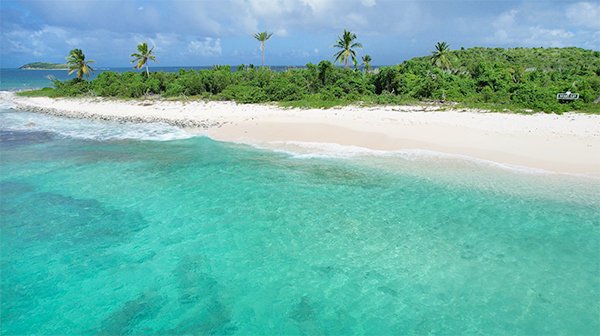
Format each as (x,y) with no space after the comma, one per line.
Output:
(585,14)
(368,3)
(233,17)
(356,20)
(514,28)
(51,43)
(73,42)
(506,19)
(208,47)
(281,32)
(549,37)
(36,42)
(390,29)
(164,41)
(241,17)
(317,6)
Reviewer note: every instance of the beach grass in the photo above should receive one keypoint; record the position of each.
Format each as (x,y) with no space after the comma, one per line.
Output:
(44,92)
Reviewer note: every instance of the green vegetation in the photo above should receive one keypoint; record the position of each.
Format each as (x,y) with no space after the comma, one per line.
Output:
(43,66)
(440,56)
(76,63)
(366,62)
(142,57)
(346,45)
(262,37)
(517,79)
(45,92)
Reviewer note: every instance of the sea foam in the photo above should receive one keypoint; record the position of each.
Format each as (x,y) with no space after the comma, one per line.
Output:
(308,150)
(88,129)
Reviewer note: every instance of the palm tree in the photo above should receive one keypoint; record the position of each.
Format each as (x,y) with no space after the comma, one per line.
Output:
(76,63)
(367,62)
(142,57)
(346,45)
(262,37)
(440,56)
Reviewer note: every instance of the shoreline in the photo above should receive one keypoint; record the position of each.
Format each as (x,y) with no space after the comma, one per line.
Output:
(568,143)
(26,69)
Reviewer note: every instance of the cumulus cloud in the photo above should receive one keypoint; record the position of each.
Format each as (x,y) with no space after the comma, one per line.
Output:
(228,17)
(36,42)
(208,47)
(391,30)
(518,27)
(236,17)
(585,14)
(368,3)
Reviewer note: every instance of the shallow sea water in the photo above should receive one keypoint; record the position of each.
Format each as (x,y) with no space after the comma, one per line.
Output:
(121,229)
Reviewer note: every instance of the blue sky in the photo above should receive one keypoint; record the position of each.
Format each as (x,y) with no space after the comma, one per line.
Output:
(207,32)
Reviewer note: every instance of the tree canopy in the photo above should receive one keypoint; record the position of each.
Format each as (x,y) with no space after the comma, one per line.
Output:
(366,59)
(76,63)
(262,37)
(347,48)
(492,78)
(142,57)
(440,56)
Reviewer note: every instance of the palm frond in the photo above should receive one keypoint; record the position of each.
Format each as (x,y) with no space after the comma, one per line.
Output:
(262,36)
(346,43)
(439,56)
(76,63)
(143,55)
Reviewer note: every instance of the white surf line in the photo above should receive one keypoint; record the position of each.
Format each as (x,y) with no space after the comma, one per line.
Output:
(337,151)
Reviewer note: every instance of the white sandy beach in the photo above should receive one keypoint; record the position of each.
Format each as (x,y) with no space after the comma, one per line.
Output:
(568,143)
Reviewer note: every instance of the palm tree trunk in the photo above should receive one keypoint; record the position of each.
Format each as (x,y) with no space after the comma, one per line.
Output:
(262,49)
(147,72)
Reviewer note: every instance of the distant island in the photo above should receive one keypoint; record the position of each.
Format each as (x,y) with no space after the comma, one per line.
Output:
(43,66)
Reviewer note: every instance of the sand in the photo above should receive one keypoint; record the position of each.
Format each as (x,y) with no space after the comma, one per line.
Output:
(568,143)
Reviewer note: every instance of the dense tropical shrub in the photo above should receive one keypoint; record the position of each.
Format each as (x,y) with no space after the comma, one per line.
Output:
(520,77)
(282,89)
(244,93)
(72,87)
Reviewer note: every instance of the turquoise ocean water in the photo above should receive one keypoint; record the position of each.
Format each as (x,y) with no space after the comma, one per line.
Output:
(141,229)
